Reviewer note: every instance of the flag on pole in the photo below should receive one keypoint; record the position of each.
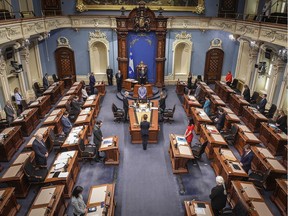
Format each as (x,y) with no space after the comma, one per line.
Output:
(131,66)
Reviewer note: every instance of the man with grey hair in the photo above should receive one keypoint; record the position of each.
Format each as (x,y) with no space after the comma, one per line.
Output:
(10,112)
(125,105)
(218,196)
(41,153)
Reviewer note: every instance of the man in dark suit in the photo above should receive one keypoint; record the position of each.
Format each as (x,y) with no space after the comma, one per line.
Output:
(144,126)
(119,79)
(246,93)
(125,105)
(262,104)
(246,158)
(75,105)
(281,121)
(10,112)
(97,139)
(109,73)
(92,82)
(162,105)
(67,125)
(218,196)
(40,150)
(45,81)
(220,120)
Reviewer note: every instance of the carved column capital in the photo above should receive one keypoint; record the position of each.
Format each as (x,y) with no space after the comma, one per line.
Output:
(25,54)
(2,65)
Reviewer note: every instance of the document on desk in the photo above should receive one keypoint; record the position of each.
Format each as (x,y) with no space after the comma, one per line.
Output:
(81,118)
(181,140)
(63,174)
(68,154)
(184,150)
(218,138)
(98,194)
(45,196)
(107,142)
(228,154)
(59,166)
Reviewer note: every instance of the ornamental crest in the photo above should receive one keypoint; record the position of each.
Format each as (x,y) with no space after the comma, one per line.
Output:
(97,34)
(141,19)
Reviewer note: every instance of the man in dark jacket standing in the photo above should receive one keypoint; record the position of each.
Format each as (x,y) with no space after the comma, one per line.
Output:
(109,73)
(144,126)
(246,158)
(218,196)
(125,105)
(119,79)
(40,150)
(45,82)
(97,139)
(92,82)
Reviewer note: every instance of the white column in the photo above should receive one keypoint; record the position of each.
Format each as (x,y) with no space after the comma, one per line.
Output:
(239,57)
(22,82)
(255,74)
(253,53)
(24,55)
(3,78)
(283,89)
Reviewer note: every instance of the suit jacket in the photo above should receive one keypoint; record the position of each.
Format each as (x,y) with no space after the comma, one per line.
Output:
(97,139)
(246,160)
(40,151)
(76,105)
(218,198)
(144,125)
(92,81)
(45,83)
(66,124)
(162,104)
(119,78)
(246,94)
(109,73)
(9,113)
(282,123)
(125,103)
(220,122)
(262,104)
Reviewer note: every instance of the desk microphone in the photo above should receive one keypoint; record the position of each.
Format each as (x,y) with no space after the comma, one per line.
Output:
(243,189)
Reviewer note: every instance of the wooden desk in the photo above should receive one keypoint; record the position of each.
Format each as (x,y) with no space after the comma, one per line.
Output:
(148,88)
(215,103)
(252,201)
(199,117)
(243,137)
(230,118)
(100,86)
(223,91)
(43,104)
(272,138)
(68,80)
(180,153)
(180,87)
(110,146)
(10,141)
(69,171)
(128,84)
(45,131)
(135,116)
(54,119)
(93,101)
(102,194)
(49,201)
(279,196)
(252,118)
(55,91)
(64,102)
(204,90)
(188,102)
(223,165)
(263,162)
(210,134)
(192,207)
(28,120)
(75,90)
(237,103)
(85,117)
(14,176)
(8,203)
(284,156)
(75,136)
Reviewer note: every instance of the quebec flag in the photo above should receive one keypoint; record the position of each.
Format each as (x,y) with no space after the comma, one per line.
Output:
(131,67)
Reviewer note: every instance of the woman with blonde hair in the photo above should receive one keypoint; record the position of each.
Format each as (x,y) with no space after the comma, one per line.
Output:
(218,196)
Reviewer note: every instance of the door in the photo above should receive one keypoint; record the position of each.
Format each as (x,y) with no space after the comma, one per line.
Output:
(213,65)
(228,8)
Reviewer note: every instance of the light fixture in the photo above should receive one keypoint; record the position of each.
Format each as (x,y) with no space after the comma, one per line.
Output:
(232,37)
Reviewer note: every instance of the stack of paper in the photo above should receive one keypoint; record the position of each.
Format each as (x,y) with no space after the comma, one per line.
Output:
(68,154)
(181,140)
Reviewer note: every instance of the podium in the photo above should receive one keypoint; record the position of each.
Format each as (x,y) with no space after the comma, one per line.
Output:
(142,73)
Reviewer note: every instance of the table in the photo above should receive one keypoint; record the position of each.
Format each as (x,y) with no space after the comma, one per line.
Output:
(250,198)
(237,104)
(215,103)
(128,84)
(10,140)
(102,195)
(110,145)
(279,196)
(49,201)
(28,120)
(75,90)
(148,88)
(272,138)
(230,118)
(43,104)
(85,117)
(93,101)
(223,90)
(199,117)
(66,173)
(65,102)
(100,86)
(264,161)
(210,134)
(193,206)
(204,90)
(73,139)
(180,87)
(180,153)
(188,102)
(135,115)
(228,166)
(45,131)
(14,176)
(252,118)
(8,203)
(54,119)
(55,91)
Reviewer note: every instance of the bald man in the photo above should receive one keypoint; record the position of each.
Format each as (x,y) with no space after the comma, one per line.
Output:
(41,153)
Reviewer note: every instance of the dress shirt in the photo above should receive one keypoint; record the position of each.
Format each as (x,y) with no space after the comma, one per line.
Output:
(18,98)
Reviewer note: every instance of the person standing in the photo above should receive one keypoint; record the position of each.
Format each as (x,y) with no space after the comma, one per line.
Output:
(162,105)
(10,112)
(198,79)
(84,92)
(144,126)
(197,91)
(109,73)
(119,79)
(67,125)
(45,81)
(189,132)
(207,105)
(142,93)
(246,93)
(246,158)
(78,204)
(218,196)
(228,78)
(281,121)
(41,153)
(18,100)
(262,104)
(75,105)
(97,138)
(125,105)
(92,82)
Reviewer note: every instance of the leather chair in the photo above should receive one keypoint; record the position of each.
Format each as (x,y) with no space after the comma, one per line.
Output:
(254,99)
(34,174)
(87,152)
(57,140)
(230,135)
(118,113)
(259,178)
(37,89)
(55,78)
(234,84)
(168,114)
(270,113)
(199,149)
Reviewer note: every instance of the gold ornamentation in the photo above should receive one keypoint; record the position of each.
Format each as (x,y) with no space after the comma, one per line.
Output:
(200,9)
(80,7)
